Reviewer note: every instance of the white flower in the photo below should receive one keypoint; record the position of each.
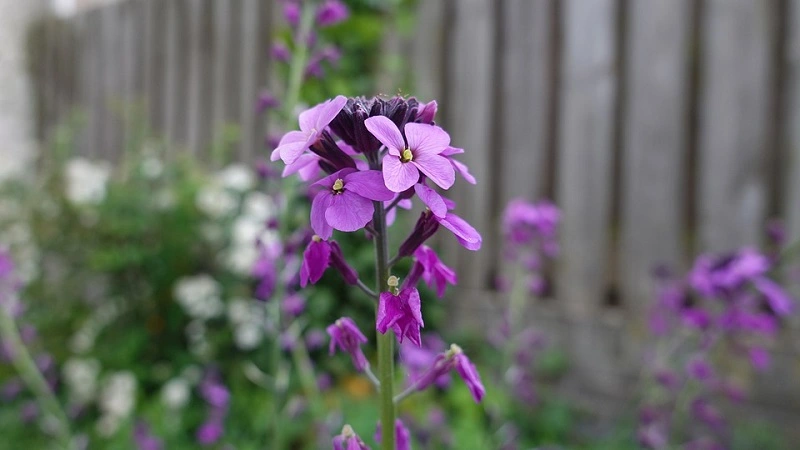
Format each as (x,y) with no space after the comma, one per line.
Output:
(152,167)
(258,206)
(248,335)
(237,177)
(240,259)
(199,296)
(86,181)
(216,202)
(118,396)
(239,310)
(175,393)
(80,376)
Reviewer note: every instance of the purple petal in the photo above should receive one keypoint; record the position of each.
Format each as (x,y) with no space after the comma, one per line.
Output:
(465,233)
(368,184)
(291,146)
(386,132)
(426,139)
(398,175)
(300,163)
(431,199)
(437,168)
(329,181)
(389,312)
(450,151)
(315,120)
(471,377)
(778,299)
(463,170)
(315,261)
(349,212)
(414,304)
(319,206)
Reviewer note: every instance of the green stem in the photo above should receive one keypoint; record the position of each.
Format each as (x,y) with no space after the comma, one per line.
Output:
(385,341)
(33,379)
(296,70)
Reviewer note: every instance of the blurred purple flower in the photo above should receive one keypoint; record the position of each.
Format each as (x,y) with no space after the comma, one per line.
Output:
(417,360)
(266,101)
(331,13)
(315,339)
(281,52)
(209,432)
(402,436)
(291,12)
(348,338)
(144,439)
(29,412)
(348,440)
(294,304)
(435,273)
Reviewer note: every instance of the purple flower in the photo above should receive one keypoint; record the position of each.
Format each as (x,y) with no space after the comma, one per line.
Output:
(348,338)
(427,225)
(294,304)
(265,272)
(281,52)
(348,440)
(699,369)
(402,437)
(319,255)
(345,203)
(400,311)
(404,161)
(266,101)
(331,12)
(215,394)
(417,360)
(28,412)
(454,358)
(312,124)
(705,412)
(435,273)
(209,432)
(460,167)
(291,12)
(779,300)
(759,357)
(144,438)
(315,339)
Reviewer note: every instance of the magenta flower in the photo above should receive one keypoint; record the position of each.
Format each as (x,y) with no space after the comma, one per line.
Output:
(402,312)
(209,432)
(402,437)
(417,360)
(348,338)
(291,12)
(312,124)
(454,358)
(345,203)
(319,255)
(404,161)
(144,438)
(332,12)
(348,440)
(435,273)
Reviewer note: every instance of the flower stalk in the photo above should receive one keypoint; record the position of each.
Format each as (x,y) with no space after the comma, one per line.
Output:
(385,341)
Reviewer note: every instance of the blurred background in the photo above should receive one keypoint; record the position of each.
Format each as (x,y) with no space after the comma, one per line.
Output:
(663,130)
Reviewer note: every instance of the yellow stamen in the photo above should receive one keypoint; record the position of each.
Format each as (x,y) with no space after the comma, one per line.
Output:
(454,350)
(347,431)
(406,156)
(393,281)
(316,238)
(338,186)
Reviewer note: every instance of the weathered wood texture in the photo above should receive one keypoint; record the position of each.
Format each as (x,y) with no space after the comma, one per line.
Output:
(653,124)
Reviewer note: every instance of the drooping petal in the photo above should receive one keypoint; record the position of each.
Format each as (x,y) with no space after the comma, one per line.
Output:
(470,375)
(414,304)
(315,260)
(463,170)
(349,212)
(450,151)
(386,132)
(397,175)
(389,312)
(368,184)
(315,119)
(431,199)
(300,163)
(780,302)
(467,235)
(437,168)
(322,201)
(291,146)
(426,139)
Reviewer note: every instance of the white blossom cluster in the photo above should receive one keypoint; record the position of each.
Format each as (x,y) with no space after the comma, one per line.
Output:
(116,402)
(80,377)
(86,181)
(247,318)
(199,296)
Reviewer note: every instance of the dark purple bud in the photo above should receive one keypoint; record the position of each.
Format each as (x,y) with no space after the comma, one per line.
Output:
(425,227)
(337,261)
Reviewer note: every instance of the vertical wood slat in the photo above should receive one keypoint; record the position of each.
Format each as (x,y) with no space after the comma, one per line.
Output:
(736,100)
(655,137)
(96,112)
(111,59)
(225,84)
(199,107)
(525,98)
(155,61)
(470,119)
(249,83)
(175,86)
(585,166)
(428,55)
(585,153)
(792,122)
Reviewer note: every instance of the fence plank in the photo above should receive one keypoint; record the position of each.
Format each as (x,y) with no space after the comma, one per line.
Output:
(175,86)
(736,100)
(199,107)
(470,122)
(525,96)
(111,59)
(655,139)
(429,52)
(249,83)
(792,122)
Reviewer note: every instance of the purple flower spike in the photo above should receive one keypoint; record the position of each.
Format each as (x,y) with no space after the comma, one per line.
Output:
(400,311)
(312,123)
(435,273)
(345,203)
(348,440)
(404,162)
(348,338)
(332,12)
(402,437)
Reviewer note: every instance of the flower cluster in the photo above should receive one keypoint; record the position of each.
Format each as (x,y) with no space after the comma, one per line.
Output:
(364,158)
(727,305)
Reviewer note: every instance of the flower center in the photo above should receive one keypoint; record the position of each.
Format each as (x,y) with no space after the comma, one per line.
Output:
(338,186)
(347,432)
(316,238)
(393,282)
(453,351)
(406,156)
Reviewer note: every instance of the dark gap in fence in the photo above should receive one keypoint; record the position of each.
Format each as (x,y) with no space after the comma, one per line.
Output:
(612,295)
(693,132)
(556,40)
(778,161)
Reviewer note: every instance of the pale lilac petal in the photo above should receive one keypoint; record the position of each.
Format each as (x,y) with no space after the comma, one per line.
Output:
(387,132)
(437,168)
(398,175)
(314,120)
(778,299)
(450,151)
(464,171)
(291,146)
(431,199)
(368,184)
(465,233)
(405,203)
(426,139)
(319,206)
(301,162)
(349,212)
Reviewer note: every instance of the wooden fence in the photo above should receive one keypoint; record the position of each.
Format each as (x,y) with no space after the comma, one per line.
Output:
(662,128)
